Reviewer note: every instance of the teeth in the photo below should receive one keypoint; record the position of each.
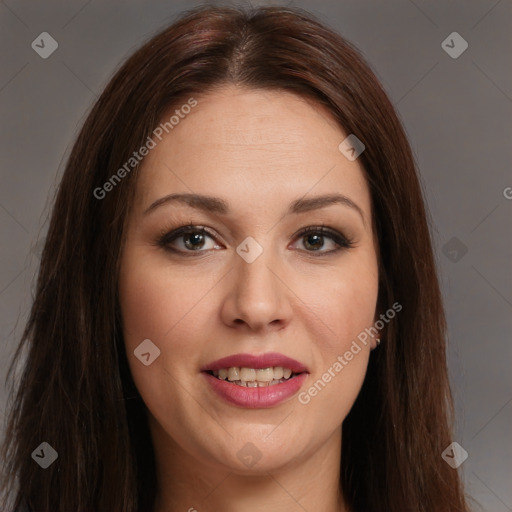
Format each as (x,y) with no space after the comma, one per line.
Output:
(278,372)
(247,374)
(252,378)
(234,373)
(265,375)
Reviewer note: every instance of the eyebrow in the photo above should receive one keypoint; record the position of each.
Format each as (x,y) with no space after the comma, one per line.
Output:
(217,205)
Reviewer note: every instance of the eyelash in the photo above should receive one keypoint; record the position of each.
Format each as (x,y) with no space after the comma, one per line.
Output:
(340,240)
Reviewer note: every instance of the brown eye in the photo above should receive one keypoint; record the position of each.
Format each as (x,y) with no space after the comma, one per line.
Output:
(314,242)
(313,239)
(192,238)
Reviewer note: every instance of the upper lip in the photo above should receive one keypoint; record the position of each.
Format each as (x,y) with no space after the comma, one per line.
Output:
(256,362)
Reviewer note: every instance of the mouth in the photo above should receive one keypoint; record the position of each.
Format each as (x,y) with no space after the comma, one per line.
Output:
(255,381)
(254,377)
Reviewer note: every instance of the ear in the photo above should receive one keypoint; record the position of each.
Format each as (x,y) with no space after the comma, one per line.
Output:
(380,323)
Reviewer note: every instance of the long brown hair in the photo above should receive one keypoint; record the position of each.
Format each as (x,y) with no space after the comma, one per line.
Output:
(76,391)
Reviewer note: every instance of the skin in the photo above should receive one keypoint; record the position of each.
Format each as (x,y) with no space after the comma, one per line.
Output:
(259,151)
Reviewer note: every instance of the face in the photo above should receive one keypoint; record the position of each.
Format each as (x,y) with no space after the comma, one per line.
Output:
(246,280)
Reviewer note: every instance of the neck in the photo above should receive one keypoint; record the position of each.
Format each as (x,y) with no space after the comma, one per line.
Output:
(310,482)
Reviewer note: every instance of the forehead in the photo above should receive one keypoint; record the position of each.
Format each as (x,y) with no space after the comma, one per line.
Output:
(254,148)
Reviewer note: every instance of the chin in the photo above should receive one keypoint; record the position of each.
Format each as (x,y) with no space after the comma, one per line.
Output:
(252,455)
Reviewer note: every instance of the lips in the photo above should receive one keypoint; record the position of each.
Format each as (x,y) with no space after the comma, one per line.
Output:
(256,362)
(255,397)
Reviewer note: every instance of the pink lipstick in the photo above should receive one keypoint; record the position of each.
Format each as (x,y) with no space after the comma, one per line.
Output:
(255,381)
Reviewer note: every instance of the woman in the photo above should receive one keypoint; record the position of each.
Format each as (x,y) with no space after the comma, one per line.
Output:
(237,306)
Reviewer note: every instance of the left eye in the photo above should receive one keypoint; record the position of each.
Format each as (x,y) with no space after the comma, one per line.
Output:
(193,238)
(313,237)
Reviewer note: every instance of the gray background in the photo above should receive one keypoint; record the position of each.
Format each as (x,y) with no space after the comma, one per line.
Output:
(457,113)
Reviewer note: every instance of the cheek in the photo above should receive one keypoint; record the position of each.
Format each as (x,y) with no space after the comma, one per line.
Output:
(158,305)
(342,303)
(148,304)
(356,303)
(357,295)
(343,312)
(169,308)
(157,302)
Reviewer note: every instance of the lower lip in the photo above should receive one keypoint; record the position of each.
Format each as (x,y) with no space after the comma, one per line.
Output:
(255,398)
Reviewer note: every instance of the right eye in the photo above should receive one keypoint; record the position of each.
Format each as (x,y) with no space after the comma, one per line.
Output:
(192,238)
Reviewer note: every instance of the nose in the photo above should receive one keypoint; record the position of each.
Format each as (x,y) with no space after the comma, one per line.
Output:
(258,298)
